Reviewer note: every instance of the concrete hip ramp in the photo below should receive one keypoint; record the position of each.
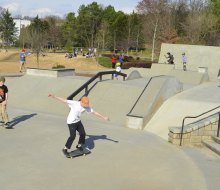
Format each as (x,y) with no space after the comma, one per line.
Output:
(191,102)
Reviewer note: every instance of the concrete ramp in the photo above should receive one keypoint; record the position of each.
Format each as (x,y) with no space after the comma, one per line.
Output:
(31,92)
(188,78)
(191,102)
(110,97)
(114,98)
(198,56)
(158,90)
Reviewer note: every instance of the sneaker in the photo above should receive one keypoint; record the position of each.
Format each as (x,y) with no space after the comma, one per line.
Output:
(7,124)
(79,147)
(65,152)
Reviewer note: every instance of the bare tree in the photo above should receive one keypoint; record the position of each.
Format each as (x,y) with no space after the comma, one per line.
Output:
(198,23)
(156,17)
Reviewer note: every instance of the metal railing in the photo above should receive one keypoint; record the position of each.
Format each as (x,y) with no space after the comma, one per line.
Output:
(192,117)
(129,114)
(86,85)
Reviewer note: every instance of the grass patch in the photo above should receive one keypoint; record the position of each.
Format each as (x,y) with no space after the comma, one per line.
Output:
(105,61)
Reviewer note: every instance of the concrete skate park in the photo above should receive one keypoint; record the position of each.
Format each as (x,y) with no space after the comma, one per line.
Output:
(132,150)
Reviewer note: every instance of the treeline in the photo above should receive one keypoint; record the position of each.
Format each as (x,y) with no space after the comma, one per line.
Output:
(153,22)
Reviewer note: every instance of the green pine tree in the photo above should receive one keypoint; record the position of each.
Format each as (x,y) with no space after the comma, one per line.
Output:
(7,28)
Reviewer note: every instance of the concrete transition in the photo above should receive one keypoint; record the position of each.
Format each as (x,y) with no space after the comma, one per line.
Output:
(198,57)
(134,75)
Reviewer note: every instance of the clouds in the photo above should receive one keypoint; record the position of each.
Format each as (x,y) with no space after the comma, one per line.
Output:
(12,7)
(17,9)
(42,12)
(60,7)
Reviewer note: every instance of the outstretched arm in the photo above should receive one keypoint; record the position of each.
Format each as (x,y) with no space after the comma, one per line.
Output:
(100,116)
(57,98)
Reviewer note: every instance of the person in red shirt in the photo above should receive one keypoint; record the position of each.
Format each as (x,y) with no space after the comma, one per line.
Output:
(114,59)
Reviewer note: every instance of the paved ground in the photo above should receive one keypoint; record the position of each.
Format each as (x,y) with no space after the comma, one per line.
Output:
(121,159)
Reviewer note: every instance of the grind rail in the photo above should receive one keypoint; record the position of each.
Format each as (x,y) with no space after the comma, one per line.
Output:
(98,75)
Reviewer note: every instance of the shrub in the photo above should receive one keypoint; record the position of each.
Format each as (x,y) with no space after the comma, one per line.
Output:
(58,66)
(138,64)
(128,59)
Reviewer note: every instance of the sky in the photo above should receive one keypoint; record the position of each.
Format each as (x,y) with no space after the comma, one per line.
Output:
(60,8)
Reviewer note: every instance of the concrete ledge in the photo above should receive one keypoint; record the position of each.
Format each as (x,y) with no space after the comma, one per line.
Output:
(134,122)
(50,72)
(203,69)
(194,133)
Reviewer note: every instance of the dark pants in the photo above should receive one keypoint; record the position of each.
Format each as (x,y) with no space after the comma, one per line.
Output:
(73,128)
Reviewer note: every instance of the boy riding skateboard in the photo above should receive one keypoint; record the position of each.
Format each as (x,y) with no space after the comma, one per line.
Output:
(73,120)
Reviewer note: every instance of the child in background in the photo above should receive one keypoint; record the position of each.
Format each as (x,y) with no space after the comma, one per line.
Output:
(117,70)
(184,60)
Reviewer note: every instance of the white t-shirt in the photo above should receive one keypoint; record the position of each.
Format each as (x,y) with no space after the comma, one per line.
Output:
(75,111)
(118,69)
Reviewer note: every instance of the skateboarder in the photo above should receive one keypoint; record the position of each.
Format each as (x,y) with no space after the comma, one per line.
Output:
(184,60)
(3,102)
(170,58)
(73,120)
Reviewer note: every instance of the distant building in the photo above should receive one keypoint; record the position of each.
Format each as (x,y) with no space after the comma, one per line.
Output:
(19,24)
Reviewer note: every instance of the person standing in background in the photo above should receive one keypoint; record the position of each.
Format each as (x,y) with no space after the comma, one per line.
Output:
(22,60)
(121,59)
(184,60)
(114,59)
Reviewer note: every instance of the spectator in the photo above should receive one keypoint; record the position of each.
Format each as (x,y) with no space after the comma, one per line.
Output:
(113,61)
(184,60)
(68,55)
(22,60)
(121,59)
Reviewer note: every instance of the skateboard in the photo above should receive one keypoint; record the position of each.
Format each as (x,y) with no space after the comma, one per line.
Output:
(77,152)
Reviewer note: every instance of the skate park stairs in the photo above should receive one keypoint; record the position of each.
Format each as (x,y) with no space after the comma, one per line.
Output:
(205,127)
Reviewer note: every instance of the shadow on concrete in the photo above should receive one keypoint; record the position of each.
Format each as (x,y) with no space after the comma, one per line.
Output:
(20,119)
(90,141)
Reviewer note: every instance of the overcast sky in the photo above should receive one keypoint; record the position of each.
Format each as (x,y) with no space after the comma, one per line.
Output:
(60,7)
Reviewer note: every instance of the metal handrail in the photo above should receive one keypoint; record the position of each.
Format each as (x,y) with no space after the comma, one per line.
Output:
(129,114)
(190,117)
(98,75)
